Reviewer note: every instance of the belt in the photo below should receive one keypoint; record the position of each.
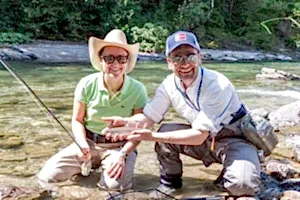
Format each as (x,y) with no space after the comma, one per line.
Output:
(238,115)
(96,137)
(227,133)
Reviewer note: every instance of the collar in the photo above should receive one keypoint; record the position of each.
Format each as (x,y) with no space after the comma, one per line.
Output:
(125,85)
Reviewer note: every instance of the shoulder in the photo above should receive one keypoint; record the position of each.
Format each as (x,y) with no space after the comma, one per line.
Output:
(134,84)
(90,79)
(212,78)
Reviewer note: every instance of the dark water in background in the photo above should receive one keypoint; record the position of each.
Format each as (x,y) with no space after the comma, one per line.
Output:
(55,84)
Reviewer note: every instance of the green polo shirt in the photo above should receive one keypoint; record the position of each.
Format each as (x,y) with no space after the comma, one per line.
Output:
(91,91)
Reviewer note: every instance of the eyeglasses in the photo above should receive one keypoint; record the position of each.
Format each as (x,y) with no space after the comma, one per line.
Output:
(110,59)
(190,58)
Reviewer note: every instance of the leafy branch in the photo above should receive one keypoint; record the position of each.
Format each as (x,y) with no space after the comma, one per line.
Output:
(263,23)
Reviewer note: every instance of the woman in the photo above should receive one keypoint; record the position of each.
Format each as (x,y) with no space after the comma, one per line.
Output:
(109,92)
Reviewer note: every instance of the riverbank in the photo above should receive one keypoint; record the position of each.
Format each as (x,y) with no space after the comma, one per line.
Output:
(66,52)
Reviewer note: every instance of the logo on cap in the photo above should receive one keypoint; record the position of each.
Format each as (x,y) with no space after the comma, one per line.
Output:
(180,37)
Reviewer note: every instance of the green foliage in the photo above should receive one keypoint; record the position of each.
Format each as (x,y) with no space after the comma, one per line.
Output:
(10,15)
(152,37)
(13,38)
(192,14)
(217,24)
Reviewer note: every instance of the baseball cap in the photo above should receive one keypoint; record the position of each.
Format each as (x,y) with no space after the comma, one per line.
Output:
(181,37)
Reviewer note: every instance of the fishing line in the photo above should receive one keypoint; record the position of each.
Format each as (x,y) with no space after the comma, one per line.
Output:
(117,196)
(112,197)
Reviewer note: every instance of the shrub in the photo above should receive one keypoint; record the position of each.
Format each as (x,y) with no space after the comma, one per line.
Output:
(151,36)
(13,38)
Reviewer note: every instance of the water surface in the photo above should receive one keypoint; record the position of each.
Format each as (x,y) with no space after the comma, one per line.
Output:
(35,136)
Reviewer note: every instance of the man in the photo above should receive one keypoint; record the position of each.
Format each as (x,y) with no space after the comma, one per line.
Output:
(209,102)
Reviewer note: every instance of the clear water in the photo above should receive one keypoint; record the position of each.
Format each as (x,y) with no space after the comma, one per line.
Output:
(55,84)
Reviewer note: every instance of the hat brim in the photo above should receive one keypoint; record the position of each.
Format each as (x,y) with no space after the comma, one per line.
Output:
(96,44)
(182,43)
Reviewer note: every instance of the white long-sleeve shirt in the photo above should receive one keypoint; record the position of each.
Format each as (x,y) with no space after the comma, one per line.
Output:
(209,103)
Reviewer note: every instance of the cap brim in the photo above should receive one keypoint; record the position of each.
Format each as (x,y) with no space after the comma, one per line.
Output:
(181,43)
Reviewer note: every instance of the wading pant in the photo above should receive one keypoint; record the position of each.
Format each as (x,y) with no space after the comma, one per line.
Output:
(66,163)
(241,166)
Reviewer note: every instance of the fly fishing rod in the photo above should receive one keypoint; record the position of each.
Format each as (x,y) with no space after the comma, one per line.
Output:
(86,165)
(35,97)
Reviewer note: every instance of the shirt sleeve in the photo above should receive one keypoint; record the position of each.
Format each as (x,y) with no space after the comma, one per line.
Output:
(142,99)
(80,92)
(159,105)
(217,106)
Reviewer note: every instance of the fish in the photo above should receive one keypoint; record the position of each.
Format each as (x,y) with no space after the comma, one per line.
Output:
(119,130)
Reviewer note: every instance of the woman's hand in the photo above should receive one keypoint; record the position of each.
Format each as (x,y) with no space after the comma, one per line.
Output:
(117,133)
(115,121)
(114,137)
(85,154)
(117,167)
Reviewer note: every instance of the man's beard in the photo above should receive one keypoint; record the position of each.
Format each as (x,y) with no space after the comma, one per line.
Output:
(191,75)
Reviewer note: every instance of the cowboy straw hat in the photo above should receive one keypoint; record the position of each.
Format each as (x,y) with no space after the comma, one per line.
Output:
(115,37)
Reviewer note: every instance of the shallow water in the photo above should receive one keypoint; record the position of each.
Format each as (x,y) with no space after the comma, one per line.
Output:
(31,136)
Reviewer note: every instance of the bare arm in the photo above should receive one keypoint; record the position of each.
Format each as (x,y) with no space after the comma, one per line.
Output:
(78,129)
(184,137)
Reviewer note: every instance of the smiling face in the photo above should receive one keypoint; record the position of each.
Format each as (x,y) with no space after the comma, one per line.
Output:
(184,62)
(114,61)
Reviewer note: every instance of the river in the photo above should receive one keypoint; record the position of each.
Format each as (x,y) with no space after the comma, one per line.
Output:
(28,137)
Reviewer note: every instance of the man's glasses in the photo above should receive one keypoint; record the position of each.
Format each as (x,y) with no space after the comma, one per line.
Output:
(190,58)
(110,59)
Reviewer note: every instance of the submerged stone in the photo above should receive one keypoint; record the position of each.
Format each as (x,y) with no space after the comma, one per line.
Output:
(12,156)
(10,141)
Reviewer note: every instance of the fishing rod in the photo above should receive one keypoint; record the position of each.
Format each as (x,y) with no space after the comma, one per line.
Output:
(36,98)
(87,165)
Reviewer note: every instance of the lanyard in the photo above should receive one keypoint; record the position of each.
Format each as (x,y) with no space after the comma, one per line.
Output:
(187,99)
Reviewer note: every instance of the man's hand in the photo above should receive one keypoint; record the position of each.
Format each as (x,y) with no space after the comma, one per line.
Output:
(141,134)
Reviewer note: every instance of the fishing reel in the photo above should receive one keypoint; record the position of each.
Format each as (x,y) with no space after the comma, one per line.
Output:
(86,168)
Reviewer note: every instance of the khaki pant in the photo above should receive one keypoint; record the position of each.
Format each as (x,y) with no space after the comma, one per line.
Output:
(241,172)
(66,163)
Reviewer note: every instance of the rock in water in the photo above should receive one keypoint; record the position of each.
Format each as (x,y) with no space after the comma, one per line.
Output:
(280,170)
(296,156)
(269,73)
